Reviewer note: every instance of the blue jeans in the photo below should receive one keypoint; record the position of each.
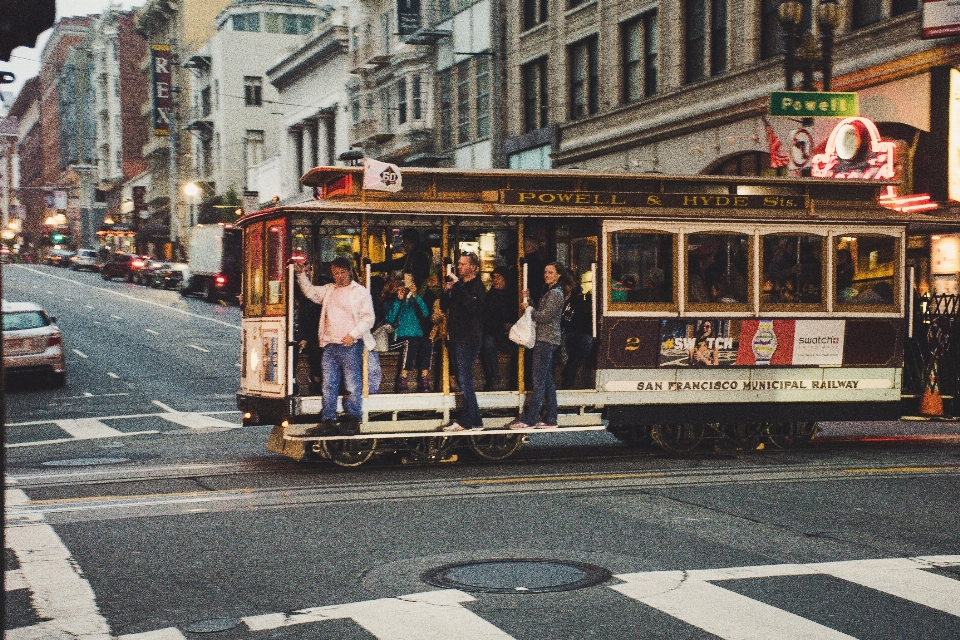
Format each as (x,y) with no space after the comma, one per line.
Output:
(543,391)
(465,355)
(346,363)
(493,345)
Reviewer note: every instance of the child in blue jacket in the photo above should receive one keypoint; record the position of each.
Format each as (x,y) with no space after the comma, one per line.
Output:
(408,314)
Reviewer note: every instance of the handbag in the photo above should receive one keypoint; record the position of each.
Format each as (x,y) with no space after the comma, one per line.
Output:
(524,330)
(382,337)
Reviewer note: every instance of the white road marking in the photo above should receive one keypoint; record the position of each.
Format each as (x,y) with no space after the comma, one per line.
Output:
(13,580)
(51,292)
(128,416)
(432,615)
(904,578)
(69,299)
(198,421)
(164,407)
(87,429)
(170,633)
(88,306)
(113,375)
(690,596)
(80,353)
(116,317)
(62,440)
(58,590)
(719,611)
(129,297)
(193,346)
(151,331)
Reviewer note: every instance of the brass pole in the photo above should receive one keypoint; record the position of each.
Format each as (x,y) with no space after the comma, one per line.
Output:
(521,387)
(444,354)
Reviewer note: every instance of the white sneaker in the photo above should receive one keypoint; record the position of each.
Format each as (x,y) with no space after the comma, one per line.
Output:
(453,426)
(516,424)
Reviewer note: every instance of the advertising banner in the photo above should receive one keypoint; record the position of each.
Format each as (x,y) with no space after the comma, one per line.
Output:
(750,343)
(161,78)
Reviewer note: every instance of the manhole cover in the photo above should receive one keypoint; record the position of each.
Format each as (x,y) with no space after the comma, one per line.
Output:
(84,462)
(517,575)
(212,626)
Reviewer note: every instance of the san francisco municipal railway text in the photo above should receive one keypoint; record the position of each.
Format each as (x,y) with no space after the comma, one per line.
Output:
(746,385)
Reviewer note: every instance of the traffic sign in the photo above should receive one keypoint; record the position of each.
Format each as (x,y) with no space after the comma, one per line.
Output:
(813,104)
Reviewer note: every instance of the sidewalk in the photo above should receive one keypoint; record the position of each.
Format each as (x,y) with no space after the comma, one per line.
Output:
(941,428)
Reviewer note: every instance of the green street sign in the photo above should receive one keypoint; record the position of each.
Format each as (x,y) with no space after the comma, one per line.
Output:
(813,104)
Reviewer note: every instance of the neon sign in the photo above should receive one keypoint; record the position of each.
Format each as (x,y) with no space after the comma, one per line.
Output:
(855,151)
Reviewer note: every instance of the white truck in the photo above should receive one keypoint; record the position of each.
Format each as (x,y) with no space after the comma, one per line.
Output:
(214,257)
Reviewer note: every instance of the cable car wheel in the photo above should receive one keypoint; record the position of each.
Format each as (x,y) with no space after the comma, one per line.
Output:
(430,449)
(497,447)
(351,452)
(785,435)
(678,438)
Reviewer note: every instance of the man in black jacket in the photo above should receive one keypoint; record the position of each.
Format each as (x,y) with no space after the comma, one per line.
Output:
(416,259)
(462,301)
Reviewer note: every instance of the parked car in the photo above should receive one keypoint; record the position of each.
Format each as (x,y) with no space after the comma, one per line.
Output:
(32,342)
(58,257)
(123,265)
(171,276)
(86,259)
(144,275)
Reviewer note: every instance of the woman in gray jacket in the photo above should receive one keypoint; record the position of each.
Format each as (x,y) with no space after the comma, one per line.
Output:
(547,318)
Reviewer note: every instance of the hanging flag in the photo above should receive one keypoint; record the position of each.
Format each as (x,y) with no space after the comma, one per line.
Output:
(381,176)
(777,156)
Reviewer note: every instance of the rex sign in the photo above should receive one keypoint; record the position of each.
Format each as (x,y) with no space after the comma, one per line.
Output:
(813,104)
(161,80)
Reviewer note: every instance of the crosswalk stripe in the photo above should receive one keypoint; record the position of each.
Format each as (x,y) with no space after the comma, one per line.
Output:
(13,579)
(197,421)
(432,615)
(719,611)
(87,428)
(901,577)
(170,633)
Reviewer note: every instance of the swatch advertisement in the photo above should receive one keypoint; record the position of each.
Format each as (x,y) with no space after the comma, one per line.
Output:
(750,343)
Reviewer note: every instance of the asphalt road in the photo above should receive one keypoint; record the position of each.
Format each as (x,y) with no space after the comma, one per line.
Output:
(136,507)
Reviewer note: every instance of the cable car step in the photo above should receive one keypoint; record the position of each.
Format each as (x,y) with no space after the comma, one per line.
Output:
(444,434)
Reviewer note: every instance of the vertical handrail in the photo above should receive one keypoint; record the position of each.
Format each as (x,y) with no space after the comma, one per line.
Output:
(593,296)
(291,346)
(910,312)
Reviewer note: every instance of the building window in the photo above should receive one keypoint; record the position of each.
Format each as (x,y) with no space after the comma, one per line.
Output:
(698,57)
(483,96)
(639,38)
(444,8)
(534,13)
(417,99)
(255,147)
(718,37)
(401,101)
(386,32)
(355,109)
(445,80)
(900,7)
(288,23)
(770,29)
(253,91)
(246,22)
(866,13)
(535,92)
(205,101)
(386,106)
(463,103)
(584,79)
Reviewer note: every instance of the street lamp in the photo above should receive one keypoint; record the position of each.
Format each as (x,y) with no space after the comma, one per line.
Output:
(192,190)
(801,51)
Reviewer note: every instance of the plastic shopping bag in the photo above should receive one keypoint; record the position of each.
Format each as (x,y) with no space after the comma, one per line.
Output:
(524,331)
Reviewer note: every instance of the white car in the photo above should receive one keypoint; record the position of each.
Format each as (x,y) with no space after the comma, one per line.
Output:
(32,342)
(85,259)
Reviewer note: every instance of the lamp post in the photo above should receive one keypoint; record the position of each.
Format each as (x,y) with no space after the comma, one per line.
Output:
(802,52)
(191,190)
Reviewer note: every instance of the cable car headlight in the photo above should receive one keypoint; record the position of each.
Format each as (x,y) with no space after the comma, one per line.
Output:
(254,359)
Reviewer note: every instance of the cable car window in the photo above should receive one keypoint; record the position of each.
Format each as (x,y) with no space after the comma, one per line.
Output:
(641,268)
(864,270)
(276,259)
(792,270)
(253,278)
(718,268)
